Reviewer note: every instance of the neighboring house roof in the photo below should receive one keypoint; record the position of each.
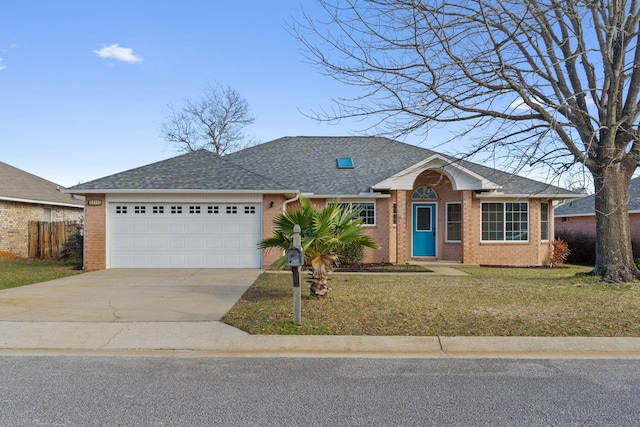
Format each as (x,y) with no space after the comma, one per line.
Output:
(586,206)
(20,186)
(304,164)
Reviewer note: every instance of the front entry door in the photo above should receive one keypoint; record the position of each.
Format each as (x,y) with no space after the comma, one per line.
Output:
(424,229)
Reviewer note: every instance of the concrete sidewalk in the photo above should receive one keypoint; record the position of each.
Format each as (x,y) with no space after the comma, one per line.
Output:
(177,312)
(217,339)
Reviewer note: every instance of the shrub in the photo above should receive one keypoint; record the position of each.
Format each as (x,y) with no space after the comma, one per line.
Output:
(560,252)
(351,254)
(74,247)
(582,246)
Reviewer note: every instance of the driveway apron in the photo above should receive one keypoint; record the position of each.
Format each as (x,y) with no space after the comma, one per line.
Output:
(129,295)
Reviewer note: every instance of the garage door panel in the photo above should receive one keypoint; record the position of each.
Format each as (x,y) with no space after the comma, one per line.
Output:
(195,243)
(175,243)
(121,243)
(139,243)
(157,226)
(183,235)
(175,226)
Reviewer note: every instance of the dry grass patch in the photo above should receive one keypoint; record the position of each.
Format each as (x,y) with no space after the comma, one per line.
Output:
(490,301)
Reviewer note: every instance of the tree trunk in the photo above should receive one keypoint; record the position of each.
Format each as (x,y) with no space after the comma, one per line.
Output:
(614,257)
(318,284)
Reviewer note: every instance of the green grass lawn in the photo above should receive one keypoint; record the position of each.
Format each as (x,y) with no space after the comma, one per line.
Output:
(20,272)
(488,302)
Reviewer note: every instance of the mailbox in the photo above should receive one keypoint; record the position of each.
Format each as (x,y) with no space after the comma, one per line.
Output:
(295,257)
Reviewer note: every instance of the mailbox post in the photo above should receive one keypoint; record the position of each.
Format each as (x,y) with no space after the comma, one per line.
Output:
(295,260)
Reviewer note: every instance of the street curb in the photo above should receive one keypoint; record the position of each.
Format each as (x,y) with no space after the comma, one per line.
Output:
(216,339)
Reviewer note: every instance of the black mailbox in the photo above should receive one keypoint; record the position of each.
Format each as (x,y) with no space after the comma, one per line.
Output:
(295,257)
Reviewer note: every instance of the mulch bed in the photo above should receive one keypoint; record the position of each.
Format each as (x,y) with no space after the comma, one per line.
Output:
(380,268)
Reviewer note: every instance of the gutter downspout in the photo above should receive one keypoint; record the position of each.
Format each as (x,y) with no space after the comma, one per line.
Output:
(286,202)
(284,210)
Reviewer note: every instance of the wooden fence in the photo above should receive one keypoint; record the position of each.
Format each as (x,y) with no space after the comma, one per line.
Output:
(48,240)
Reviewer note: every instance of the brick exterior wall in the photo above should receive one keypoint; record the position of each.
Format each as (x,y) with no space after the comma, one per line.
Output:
(394,241)
(269,213)
(14,223)
(518,254)
(95,248)
(577,225)
(587,225)
(471,250)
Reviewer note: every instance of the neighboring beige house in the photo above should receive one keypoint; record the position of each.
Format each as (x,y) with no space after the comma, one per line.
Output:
(201,210)
(25,197)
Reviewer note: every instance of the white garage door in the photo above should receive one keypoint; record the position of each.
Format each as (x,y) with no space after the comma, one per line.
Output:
(184,235)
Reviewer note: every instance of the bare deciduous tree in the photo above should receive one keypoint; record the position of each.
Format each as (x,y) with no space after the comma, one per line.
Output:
(555,82)
(215,122)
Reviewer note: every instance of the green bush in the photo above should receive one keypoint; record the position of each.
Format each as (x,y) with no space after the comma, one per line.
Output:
(351,254)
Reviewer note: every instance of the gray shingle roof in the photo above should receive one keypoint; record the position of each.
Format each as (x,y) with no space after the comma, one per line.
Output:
(18,184)
(307,164)
(199,170)
(587,205)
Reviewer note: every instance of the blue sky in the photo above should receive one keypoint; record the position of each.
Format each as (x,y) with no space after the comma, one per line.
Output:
(85,85)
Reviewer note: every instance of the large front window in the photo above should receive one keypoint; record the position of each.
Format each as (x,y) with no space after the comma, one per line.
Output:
(505,221)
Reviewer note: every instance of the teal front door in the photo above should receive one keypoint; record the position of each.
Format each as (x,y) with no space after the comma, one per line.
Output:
(424,229)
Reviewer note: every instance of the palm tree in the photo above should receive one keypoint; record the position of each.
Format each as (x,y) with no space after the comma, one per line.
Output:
(323,232)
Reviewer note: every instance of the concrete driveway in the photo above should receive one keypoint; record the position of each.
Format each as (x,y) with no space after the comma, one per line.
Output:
(129,295)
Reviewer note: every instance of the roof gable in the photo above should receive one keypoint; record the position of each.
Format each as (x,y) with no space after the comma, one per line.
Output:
(461,177)
(18,185)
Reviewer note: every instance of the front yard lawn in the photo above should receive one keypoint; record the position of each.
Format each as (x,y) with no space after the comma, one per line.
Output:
(19,272)
(488,302)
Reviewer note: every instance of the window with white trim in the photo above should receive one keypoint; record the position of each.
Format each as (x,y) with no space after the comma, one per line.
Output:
(505,221)
(544,221)
(454,222)
(367,211)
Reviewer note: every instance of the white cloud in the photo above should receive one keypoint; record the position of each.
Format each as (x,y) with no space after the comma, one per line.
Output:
(114,51)
(2,66)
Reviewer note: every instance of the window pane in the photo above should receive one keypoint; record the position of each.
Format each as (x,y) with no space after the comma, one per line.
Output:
(517,223)
(544,221)
(423,222)
(367,212)
(492,221)
(454,222)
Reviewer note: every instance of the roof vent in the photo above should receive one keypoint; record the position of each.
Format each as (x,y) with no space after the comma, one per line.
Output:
(345,163)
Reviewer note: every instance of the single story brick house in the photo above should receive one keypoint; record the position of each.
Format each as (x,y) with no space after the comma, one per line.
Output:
(26,197)
(579,216)
(206,211)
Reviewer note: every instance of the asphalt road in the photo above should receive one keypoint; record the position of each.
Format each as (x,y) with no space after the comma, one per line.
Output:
(191,391)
